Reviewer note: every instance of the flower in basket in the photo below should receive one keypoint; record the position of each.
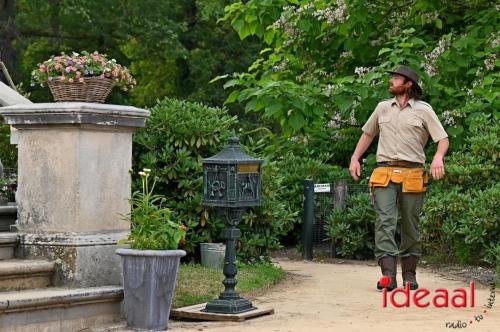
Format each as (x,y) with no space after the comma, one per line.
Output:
(78,72)
(151,224)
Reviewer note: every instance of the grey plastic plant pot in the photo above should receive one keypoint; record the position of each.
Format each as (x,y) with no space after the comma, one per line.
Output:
(149,278)
(212,255)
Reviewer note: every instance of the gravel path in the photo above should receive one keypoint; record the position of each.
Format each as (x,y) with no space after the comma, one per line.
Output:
(341,297)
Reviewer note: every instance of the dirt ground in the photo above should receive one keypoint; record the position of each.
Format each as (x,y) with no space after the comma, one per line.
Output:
(341,296)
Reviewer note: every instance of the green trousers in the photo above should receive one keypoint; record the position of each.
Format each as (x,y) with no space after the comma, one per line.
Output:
(392,204)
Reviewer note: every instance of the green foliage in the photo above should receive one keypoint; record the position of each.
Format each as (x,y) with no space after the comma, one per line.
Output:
(8,152)
(8,187)
(173,48)
(325,61)
(461,211)
(262,227)
(321,72)
(352,227)
(295,170)
(198,284)
(177,136)
(151,224)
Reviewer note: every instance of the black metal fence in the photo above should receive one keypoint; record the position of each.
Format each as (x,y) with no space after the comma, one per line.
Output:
(319,202)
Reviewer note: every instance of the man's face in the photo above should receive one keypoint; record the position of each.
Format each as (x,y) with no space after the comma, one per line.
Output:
(397,85)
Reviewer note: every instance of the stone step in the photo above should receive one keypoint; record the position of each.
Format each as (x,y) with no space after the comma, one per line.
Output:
(8,242)
(17,274)
(59,309)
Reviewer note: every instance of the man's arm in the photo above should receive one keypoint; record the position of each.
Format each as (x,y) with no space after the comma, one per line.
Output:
(364,142)
(437,165)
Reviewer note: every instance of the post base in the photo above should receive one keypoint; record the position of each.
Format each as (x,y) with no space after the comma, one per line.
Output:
(229,306)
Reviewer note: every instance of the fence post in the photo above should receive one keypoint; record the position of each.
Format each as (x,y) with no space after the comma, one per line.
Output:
(340,193)
(308,219)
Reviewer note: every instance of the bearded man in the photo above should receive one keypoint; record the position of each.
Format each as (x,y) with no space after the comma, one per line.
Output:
(404,124)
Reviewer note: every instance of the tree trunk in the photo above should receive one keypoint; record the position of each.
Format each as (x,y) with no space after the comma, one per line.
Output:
(8,32)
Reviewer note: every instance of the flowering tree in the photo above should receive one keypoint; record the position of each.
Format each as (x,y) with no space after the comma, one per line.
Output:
(324,67)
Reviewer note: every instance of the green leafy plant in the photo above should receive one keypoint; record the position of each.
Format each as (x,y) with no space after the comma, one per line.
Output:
(75,67)
(8,187)
(461,211)
(262,227)
(151,224)
(352,227)
(177,136)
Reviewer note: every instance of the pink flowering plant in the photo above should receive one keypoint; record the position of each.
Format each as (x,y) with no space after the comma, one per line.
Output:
(75,67)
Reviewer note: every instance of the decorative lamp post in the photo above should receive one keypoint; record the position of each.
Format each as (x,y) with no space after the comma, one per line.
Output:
(231,182)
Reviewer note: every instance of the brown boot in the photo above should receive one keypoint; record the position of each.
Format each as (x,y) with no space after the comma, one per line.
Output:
(388,265)
(409,267)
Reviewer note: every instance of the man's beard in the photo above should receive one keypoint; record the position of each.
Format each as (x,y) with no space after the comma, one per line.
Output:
(398,90)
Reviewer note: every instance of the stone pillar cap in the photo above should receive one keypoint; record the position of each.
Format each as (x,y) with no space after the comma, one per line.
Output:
(74,113)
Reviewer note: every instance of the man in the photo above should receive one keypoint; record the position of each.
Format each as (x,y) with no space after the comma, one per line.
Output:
(397,185)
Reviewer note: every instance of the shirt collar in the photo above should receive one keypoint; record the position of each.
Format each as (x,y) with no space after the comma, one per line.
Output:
(411,102)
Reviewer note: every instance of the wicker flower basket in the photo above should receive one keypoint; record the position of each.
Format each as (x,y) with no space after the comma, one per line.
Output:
(92,90)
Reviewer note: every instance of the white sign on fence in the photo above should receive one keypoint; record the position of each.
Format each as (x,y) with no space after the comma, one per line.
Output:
(321,187)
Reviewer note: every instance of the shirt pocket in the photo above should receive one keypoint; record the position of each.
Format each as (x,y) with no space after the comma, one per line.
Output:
(385,119)
(414,122)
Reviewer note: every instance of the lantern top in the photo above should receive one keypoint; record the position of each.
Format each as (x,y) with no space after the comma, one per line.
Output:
(232,154)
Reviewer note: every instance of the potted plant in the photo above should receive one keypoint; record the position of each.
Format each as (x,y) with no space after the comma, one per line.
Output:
(87,77)
(151,259)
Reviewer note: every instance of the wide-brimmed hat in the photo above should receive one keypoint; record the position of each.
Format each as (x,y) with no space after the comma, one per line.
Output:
(409,74)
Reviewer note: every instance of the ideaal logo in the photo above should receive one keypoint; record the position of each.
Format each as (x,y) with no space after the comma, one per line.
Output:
(458,298)
(442,298)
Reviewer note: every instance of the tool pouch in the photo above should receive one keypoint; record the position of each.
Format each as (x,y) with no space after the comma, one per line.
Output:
(380,177)
(413,180)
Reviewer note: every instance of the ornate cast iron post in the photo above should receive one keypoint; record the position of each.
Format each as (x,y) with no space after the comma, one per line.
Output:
(231,182)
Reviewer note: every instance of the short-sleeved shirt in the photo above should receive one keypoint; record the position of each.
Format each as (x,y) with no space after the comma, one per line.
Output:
(403,132)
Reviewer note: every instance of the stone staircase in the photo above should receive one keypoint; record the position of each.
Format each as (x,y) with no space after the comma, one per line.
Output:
(30,302)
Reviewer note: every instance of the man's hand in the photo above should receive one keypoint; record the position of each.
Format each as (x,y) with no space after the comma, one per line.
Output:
(437,167)
(355,169)
(363,144)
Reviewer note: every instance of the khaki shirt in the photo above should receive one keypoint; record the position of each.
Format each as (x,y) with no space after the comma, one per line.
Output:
(403,132)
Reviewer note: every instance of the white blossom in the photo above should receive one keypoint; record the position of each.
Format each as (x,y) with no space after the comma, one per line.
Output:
(337,136)
(430,66)
(489,63)
(281,66)
(448,118)
(346,54)
(332,15)
(335,122)
(362,71)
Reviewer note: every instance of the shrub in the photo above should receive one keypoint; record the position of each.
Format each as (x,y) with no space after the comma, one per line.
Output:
(352,227)
(8,187)
(295,169)
(461,211)
(263,226)
(177,136)
(8,152)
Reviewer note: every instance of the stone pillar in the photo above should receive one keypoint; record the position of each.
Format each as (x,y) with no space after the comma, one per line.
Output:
(73,186)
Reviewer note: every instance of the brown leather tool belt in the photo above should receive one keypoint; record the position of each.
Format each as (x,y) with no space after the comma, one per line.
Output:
(413,179)
(400,163)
